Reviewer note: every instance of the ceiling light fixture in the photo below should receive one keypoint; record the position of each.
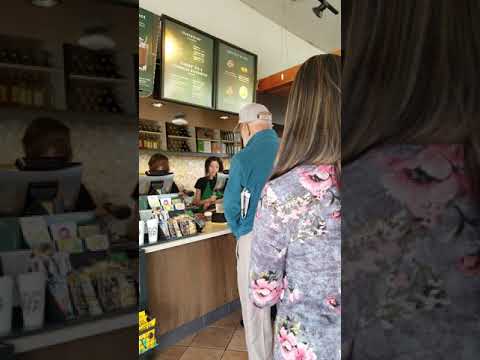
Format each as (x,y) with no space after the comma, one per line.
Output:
(224,117)
(179,119)
(45,3)
(324,5)
(157,104)
(96,38)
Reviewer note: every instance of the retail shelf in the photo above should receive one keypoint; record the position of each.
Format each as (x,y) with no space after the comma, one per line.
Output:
(47,69)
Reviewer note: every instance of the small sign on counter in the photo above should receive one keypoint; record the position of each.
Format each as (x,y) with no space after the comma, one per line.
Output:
(146,333)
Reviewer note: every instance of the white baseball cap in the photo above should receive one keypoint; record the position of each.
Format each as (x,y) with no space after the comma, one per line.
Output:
(254,112)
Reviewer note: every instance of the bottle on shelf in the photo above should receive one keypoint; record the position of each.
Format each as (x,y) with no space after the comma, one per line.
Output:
(4,89)
(13,56)
(28,86)
(38,92)
(4,55)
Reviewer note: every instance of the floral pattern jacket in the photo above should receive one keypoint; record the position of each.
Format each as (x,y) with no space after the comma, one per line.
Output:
(295,262)
(410,256)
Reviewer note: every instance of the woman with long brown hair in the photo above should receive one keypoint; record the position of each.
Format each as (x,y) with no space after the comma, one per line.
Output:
(411,150)
(296,248)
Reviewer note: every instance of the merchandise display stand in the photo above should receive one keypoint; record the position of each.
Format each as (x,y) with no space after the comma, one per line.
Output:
(146,326)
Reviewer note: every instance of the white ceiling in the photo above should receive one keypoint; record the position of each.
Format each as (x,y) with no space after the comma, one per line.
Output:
(298,18)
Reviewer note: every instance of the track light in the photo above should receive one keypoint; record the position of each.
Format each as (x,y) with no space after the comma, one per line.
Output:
(324,5)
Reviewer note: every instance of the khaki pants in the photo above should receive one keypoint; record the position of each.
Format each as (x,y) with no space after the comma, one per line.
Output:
(257,322)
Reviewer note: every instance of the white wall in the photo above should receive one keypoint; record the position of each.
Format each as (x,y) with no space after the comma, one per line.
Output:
(237,23)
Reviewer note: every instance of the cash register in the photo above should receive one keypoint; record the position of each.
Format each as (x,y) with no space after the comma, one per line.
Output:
(39,187)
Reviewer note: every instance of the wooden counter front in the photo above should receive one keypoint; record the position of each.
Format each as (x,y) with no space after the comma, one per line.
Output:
(188,281)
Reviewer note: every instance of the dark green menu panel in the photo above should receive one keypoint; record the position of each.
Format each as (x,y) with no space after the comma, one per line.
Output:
(187,65)
(236,78)
(148,33)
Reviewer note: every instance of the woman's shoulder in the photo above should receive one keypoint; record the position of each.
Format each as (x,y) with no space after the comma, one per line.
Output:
(201,182)
(304,180)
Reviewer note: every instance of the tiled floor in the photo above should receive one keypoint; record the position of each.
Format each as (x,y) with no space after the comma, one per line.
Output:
(224,340)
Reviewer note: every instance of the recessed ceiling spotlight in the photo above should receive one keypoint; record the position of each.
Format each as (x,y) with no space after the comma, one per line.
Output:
(157,104)
(324,5)
(224,117)
(96,38)
(45,3)
(179,119)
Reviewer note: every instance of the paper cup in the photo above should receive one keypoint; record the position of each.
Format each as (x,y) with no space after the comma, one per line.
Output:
(6,304)
(32,298)
(141,232)
(152,226)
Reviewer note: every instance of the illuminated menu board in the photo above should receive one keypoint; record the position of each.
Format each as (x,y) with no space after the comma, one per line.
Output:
(236,78)
(148,31)
(187,65)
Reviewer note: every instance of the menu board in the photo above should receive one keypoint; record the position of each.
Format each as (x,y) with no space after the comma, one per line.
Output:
(236,77)
(187,65)
(148,33)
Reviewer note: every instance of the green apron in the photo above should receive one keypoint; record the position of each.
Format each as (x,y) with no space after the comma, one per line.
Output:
(208,192)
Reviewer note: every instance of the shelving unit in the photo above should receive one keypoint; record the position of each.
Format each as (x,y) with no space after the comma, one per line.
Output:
(22,67)
(150,132)
(164,141)
(186,154)
(181,137)
(98,79)
(72,330)
(28,63)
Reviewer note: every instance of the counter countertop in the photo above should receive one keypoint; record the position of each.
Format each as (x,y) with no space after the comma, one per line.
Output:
(211,230)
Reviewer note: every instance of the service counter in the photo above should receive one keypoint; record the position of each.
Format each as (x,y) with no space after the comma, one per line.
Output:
(193,280)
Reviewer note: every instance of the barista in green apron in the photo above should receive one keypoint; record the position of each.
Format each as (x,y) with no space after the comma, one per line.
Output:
(205,192)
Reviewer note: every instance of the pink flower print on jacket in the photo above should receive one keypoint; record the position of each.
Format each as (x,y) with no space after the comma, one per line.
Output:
(427,181)
(318,180)
(333,304)
(294,294)
(305,353)
(267,289)
(291,348)
(470,265)
(288,343)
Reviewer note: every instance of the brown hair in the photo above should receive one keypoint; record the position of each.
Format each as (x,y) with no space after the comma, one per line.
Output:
(159,158)
(410,75)
(312,121)
(46,133)
(212,159)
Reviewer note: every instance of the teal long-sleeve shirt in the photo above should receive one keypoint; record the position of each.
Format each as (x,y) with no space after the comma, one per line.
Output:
(250,169)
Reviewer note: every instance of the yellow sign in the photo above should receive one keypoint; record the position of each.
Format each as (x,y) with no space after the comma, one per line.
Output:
(146,328)
(147,341)
(147,325)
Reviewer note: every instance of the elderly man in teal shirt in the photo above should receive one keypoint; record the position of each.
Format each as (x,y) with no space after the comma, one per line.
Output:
(249,171)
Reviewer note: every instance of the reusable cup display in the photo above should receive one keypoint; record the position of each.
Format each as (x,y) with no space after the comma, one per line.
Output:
(152,226)
(6,304)
(32,298)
